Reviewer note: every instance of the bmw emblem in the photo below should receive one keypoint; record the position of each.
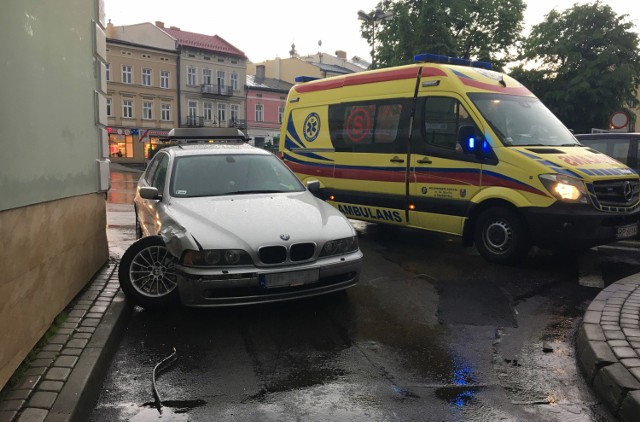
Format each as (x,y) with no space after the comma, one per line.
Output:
(285,236)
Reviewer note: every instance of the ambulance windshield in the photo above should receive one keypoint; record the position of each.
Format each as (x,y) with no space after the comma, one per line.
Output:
(522,121)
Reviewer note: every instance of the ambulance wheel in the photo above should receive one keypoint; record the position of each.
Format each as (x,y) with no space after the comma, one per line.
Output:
(500,236)
(147,274)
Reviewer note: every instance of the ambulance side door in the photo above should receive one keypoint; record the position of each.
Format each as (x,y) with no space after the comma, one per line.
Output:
(370,138)
(445,172)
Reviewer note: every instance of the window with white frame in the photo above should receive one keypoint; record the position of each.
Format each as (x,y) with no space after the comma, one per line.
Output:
(147,110)
(222,112)
(234,82)
(108,71)
(146,77)
(221,78)
(164,79)
(192,109)
(127,74)
(192,79)
(166,112)
(280,114)
(208,111)
(127,109)
(109,107)
(259,112)
(235,112)
(206,76)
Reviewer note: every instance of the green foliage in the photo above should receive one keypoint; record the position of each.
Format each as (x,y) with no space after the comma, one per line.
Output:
(587,64)
(476,29)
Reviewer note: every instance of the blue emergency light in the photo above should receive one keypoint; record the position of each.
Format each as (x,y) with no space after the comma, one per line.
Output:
(437,58)
(471,142)
(302,79)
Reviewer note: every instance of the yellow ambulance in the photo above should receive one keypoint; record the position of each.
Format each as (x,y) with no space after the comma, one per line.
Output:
(451,146)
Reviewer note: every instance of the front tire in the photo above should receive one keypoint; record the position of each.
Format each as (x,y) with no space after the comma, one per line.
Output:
(501,237)
(147,274)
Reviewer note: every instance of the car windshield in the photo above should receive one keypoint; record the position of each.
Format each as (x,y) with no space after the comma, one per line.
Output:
(522,121)
(231,174)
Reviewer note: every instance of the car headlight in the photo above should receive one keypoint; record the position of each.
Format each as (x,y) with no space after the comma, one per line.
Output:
(215,258)
(340,246)
(565,188)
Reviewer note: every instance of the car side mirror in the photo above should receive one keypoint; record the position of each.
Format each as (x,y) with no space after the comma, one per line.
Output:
(313,186)
(149,192)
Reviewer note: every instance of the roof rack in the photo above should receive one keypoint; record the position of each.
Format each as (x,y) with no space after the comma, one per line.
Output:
(437,58)
(205,135)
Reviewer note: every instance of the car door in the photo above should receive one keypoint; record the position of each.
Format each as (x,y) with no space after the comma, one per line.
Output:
(444,175)
(370,138)
(157,177)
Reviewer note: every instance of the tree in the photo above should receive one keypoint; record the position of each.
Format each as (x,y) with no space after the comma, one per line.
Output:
(587,64)
(476,29)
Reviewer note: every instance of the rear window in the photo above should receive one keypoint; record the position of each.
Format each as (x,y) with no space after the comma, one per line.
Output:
(370,126)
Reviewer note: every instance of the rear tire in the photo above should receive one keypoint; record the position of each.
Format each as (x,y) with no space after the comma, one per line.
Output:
(147,274)
(501,237)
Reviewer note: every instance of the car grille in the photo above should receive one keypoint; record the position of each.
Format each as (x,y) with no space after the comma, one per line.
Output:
(279,254)
(617,192)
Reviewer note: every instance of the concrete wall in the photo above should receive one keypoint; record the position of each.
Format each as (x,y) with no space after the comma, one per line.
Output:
(52,216)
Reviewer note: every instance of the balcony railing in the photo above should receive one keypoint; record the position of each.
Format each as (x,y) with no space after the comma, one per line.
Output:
(226,91)
(199,121)
(195,121)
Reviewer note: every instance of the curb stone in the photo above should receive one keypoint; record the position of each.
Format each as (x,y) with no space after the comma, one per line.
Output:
(607,350)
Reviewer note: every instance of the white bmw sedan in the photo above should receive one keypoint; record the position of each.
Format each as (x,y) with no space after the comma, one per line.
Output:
(226,224)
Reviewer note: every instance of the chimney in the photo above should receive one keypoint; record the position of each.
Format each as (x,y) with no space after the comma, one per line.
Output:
(341,54)
(260,69)
(109,29)
(160,24)
(175,28)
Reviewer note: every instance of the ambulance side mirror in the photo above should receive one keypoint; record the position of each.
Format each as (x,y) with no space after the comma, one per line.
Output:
(472,142)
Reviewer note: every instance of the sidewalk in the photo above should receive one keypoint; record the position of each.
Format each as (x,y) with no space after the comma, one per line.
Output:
(65,378)
(608,347)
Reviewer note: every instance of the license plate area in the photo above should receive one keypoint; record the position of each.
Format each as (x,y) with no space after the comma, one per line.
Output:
(624,232)
(289,278)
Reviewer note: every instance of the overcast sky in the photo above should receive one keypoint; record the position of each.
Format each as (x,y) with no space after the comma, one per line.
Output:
(265,30)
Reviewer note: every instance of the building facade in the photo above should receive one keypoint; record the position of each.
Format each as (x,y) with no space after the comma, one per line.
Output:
(266,98)
(212,75)
(142,83)
(53,166)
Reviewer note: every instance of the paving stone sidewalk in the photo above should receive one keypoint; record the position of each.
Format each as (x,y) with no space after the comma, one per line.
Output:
(608,347)
(63,381)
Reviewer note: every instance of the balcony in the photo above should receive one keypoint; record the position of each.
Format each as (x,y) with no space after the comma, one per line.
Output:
(195,121)
(209,89)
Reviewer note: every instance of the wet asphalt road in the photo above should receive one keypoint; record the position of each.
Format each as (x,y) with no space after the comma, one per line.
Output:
(432,332)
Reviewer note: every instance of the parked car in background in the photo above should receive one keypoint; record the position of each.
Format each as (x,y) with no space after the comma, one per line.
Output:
(223,223)
(621,146)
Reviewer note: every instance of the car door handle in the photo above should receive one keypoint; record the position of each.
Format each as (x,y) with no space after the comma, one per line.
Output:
(424,161)
(397,159)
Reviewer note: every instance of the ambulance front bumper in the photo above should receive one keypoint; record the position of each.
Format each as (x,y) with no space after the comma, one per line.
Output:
(579,226)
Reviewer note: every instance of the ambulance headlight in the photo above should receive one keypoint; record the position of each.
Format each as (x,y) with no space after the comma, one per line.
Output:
(565,188)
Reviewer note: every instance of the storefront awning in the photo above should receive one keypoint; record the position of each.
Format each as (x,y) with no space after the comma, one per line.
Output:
(148,133)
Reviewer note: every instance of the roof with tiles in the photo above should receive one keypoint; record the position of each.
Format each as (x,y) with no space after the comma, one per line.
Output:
(268,84)
(204,42)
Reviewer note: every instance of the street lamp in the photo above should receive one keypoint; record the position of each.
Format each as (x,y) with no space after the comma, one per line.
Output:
(376,16)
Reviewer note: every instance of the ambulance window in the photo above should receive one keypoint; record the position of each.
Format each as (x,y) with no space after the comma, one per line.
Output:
(442,117)
(372,126)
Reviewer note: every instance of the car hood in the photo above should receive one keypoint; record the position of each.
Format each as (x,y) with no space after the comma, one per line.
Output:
(251,221)
(587,163)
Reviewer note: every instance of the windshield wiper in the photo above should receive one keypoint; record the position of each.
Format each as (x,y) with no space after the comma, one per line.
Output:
(242,192)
